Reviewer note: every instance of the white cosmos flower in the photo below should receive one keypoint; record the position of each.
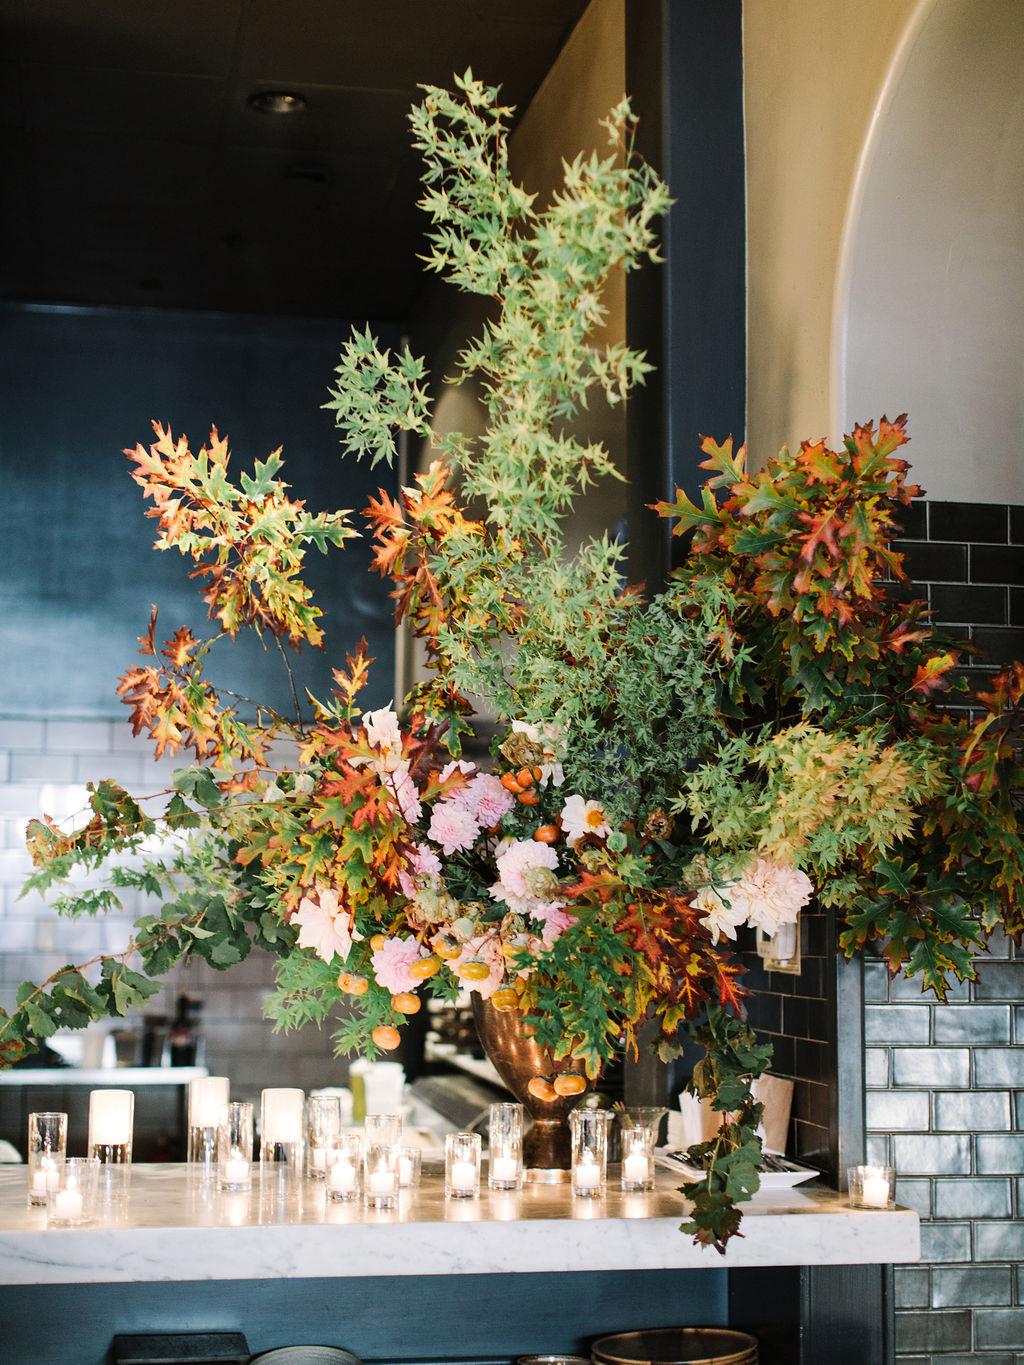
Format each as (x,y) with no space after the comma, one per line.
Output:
(581,817)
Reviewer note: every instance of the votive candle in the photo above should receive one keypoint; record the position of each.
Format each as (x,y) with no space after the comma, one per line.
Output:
(462,1155)
(505,1142)
(46,1150)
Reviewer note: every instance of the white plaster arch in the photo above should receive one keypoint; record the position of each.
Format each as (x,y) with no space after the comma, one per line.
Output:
(928,311)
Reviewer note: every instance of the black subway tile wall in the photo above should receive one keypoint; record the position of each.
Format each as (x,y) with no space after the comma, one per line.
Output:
(945,1096)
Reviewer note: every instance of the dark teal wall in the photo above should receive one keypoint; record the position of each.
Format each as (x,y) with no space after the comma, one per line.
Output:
(77,572)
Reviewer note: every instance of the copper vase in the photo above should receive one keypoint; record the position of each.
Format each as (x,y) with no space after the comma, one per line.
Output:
(517,1058)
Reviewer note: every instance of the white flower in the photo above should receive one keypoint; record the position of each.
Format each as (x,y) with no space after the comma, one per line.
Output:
(770,895)
(581,817)
(719,918)
(549,737)
(519,863)
(384,735)
(324,925)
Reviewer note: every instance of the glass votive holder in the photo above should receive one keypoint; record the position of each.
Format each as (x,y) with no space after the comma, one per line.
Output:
(281,1127)
(323,1125)
(871,1187)
(111,1123)
(410,1164)
(505,1145)
(344,1162)
(637,1158)
(207,1096)
(383,1130)
(463,1153)
(234,1146)
(73,1201)
(589,1131)
(46,1149)
(380,1174)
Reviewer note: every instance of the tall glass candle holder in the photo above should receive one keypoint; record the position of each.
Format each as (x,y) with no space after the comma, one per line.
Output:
(234,1146)
(871,1187)
(73,1202)
(462,1157)
(323,1126)
(46,1149)
(505,1164)
(111,1124)
(589,1132)
(637,1158)
(281,1124)
(207,1097)
(344,1168)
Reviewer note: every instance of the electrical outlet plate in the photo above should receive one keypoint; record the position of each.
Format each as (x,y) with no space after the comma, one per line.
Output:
(781,951)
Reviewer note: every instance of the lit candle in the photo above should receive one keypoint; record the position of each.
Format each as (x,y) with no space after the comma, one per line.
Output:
(207,1097)
(875,1191)
(504,1168)
(343,1178)
(110,1117)
(282,1116)
(46,1177)
(67,1204)
(463,1175)
(236,1170)
(405,1171)
(319,1155)
(587,1174)
(382,1182)
(635,1169)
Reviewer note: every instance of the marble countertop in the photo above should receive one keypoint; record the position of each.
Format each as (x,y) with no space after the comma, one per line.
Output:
(172,1229)
(108,1078)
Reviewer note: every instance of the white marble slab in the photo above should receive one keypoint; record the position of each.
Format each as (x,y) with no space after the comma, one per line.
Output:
(172,1230)
(101,1077)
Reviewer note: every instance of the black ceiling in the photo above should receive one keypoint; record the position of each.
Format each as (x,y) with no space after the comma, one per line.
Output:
(134,171)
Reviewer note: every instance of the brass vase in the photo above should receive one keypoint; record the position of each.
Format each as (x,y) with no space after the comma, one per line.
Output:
(517,1058)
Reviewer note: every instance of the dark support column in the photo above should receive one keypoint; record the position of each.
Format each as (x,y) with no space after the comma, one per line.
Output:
(684,73)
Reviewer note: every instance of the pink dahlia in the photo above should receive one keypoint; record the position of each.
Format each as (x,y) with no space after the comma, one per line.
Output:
(422,861)
(324,925)
(452,826)
(526,874)
(770,895)
(486,800)
(391,964)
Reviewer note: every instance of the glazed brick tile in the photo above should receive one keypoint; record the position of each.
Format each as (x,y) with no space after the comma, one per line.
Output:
(999,1327)
(1000,981)
(965,1286)
(971,605)
(876,1149)
(876,983)
(916,1195)
(906,989)
(913,520)
(999,1154)
(932,1154)
(28,767)
(897,1023)
(972,1199)
(933,1331)
(995,1066)
(21,734)
(997,564)
(912,1287)
(876,1066)
(1017,525)
(889,1111)
(78,736)
(1017,606)
(999,645)
(925,562)
(1003,1241)
(935,1066)
(971,1111)
(945,1242)
(971,1023)
(973,521)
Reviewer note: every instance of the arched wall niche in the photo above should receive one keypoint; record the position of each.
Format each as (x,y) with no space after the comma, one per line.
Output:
(929,307)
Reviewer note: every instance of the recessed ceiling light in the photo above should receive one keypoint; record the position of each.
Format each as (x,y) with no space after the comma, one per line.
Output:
(276,102)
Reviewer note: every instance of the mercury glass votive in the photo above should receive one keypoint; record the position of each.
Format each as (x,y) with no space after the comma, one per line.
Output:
(234,1146)
(46,1149)
(463,1154)
(410,1163)
(589,1132)
(345,1162)
(323,1125)
(281,1134)
(207,1097)
(505,1146)
(73,1202)
(637,1158)
(871,1187)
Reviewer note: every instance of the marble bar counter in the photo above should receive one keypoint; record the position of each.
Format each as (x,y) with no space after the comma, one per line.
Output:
(172,1229)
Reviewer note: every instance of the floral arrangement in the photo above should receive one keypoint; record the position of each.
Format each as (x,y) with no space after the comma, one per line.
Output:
(669,765)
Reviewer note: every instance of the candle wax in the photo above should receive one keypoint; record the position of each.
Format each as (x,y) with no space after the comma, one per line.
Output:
(504,1168)
(67,1204)
(875,1191)
(635,1169)
(405,1171)
(587,1174)
(343,1176)
(236,1170)
(463,1175)
(319,1158)
(382,1182)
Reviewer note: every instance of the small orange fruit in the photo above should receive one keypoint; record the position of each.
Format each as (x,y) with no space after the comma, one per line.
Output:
(510,782)
(542,1089)
(377,942)
(386,1037)
(525,777)
(570,1084)
(529,798)
(352,984)
(519,985)
(546,834)
(505,999)
(474,970)
(405,1002)
(424,967)
(445,948)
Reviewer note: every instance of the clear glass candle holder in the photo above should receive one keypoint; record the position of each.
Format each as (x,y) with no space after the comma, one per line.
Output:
(505,1144)
(234,1146)
(207,1097)
(111,1125)
(46,1150)
(282,1121)
(73,1202)
(410,1164)
(871,1187)
(637,1158)
(384,1130)
(589,1130)
(463,1154)
(380,1174)
(343,1171)
(323,1126)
